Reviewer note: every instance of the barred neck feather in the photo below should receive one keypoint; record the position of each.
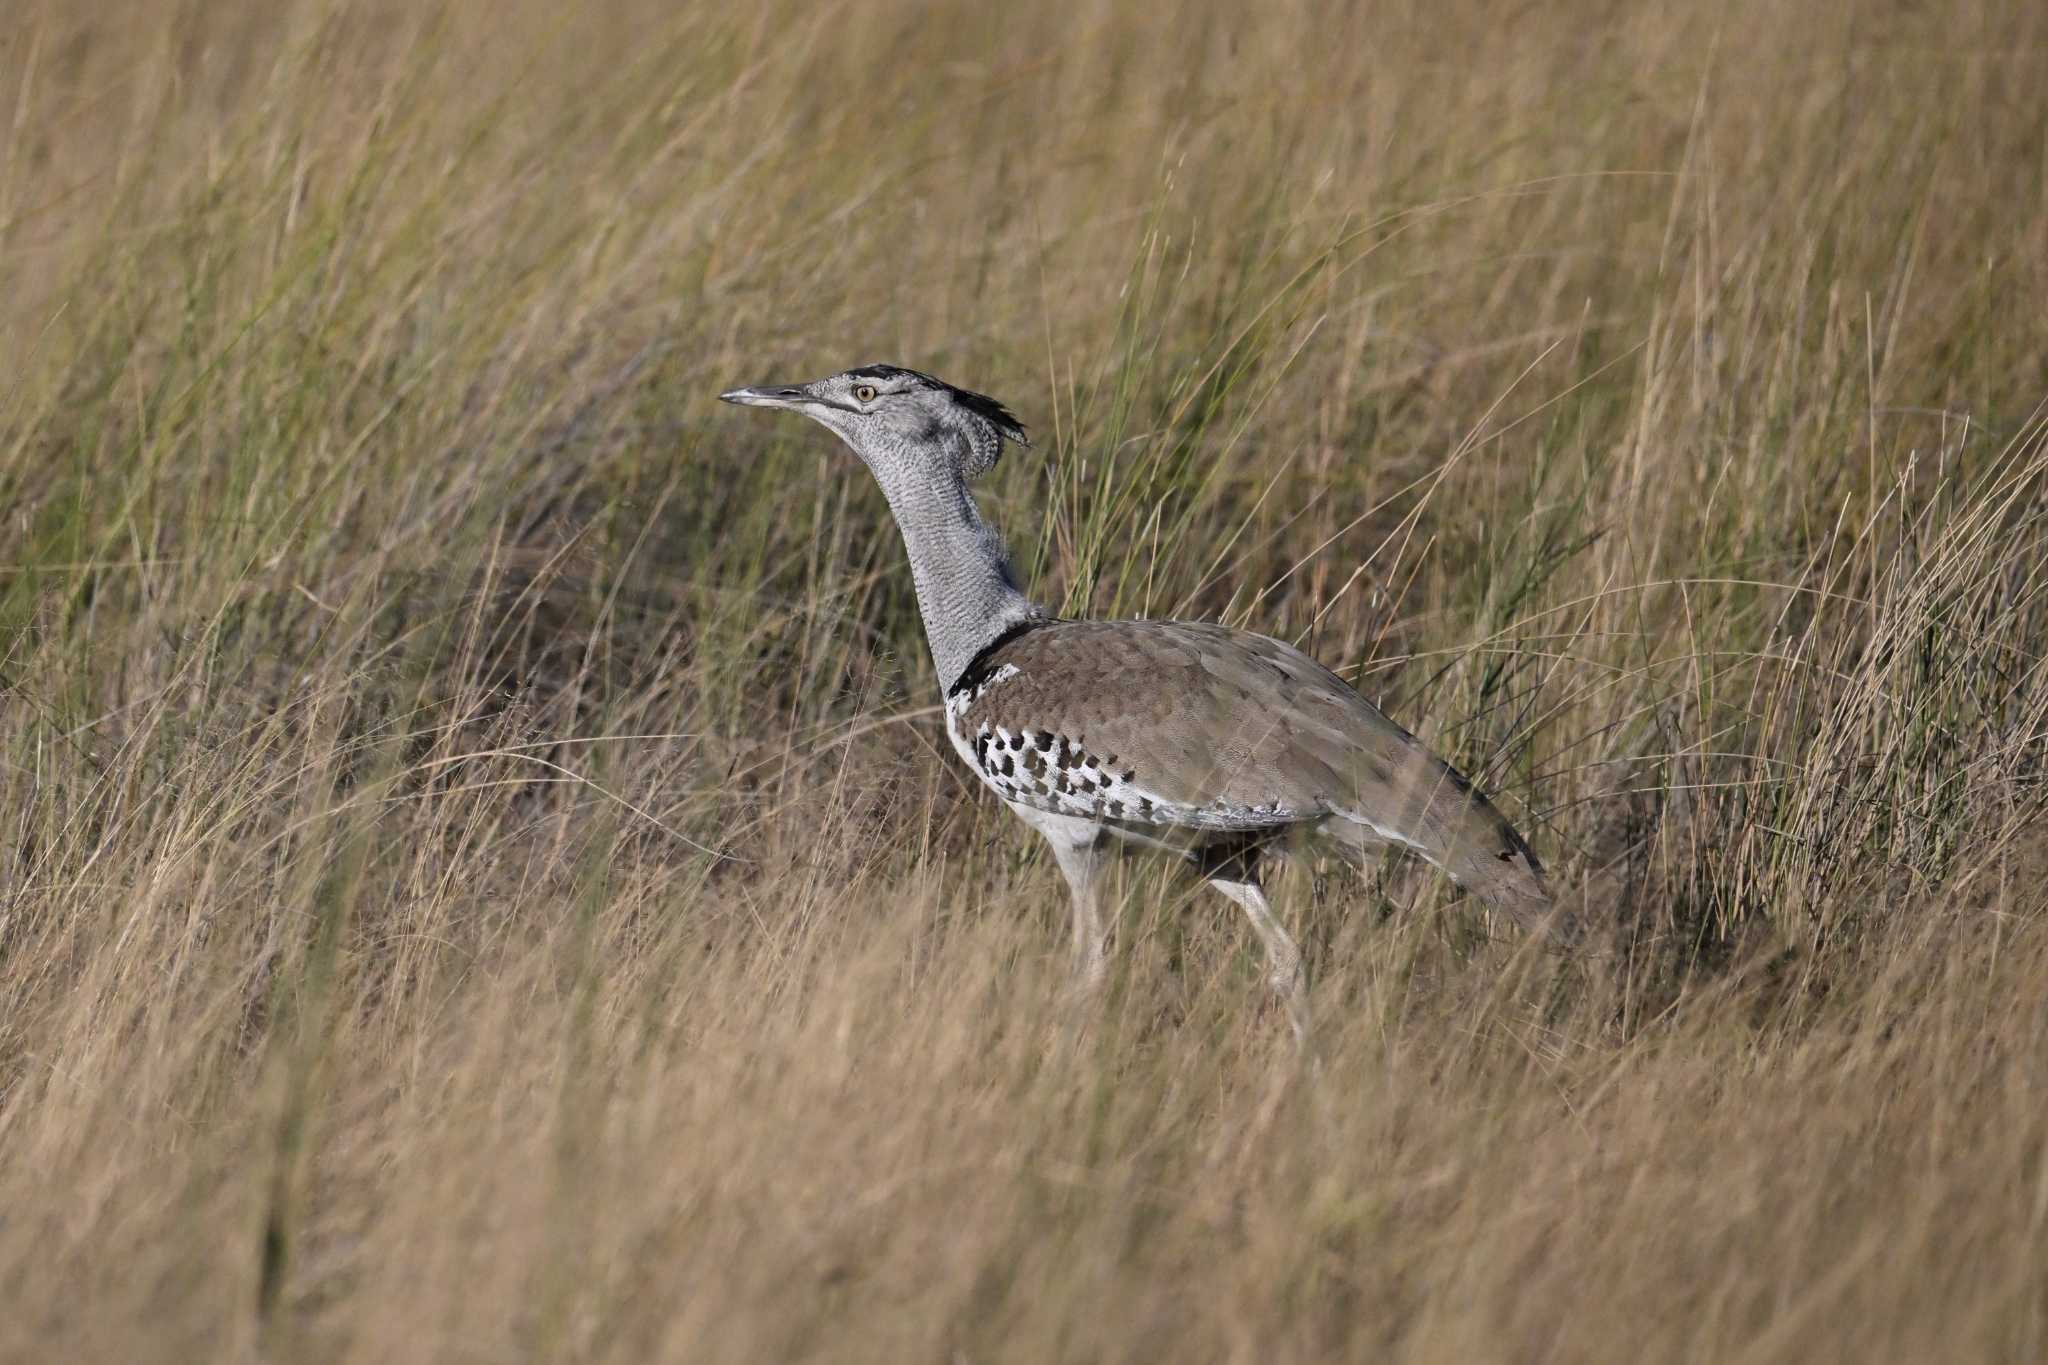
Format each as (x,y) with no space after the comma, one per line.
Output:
(966,590)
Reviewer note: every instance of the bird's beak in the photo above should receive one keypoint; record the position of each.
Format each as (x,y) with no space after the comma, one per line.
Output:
(767,396)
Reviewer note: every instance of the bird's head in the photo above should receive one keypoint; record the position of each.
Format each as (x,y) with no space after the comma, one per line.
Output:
(895,418)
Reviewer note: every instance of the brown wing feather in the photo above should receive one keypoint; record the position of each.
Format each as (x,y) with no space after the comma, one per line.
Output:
(1257,734)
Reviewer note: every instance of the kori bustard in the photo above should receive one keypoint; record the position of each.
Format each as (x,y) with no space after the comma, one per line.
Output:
(1213,743)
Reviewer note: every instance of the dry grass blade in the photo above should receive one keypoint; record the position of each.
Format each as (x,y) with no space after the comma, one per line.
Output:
(478,877)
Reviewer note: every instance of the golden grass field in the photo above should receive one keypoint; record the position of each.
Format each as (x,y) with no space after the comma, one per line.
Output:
(482,875)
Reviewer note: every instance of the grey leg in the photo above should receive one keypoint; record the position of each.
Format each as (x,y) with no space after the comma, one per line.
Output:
(1078,845)
(1283,959)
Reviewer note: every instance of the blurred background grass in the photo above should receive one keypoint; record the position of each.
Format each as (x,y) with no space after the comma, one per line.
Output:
(481,875)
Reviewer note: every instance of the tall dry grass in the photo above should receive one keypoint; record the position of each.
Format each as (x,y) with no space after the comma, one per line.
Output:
(481,879)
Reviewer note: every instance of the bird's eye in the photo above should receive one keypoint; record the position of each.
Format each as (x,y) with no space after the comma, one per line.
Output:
(864,392)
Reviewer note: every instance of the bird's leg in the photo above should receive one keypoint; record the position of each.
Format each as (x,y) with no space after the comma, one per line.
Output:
(1238,878)
(1078,847)
(1083,864)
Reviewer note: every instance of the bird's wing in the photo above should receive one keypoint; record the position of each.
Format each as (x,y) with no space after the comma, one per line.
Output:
(1198,724)
(1173,715)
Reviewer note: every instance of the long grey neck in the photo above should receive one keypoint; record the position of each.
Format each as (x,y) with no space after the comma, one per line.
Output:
(965,588)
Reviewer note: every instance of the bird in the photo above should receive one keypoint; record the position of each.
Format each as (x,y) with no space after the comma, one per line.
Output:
(1215,745)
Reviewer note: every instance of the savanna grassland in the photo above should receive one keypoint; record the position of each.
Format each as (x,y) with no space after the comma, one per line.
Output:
(481,873)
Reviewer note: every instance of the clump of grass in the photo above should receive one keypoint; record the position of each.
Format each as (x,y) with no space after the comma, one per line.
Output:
(480,875)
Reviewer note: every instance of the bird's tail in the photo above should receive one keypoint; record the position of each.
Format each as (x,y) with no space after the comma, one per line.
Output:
(1444,819)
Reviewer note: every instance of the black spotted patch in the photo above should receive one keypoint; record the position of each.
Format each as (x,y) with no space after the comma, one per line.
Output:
(1056,772)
